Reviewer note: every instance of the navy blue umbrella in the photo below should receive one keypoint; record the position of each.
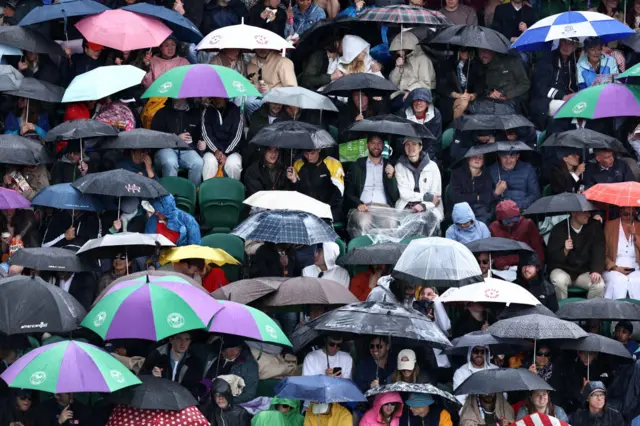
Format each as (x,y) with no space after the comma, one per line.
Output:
(62,10)
(66,197)
(322,389)
(183,29)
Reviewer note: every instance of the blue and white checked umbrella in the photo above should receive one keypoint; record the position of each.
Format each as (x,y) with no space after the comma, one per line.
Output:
(287,226)
(569,25)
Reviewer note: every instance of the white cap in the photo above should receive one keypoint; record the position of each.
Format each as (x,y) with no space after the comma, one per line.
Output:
(406,359)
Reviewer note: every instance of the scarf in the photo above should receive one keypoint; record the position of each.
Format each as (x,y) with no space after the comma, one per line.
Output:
(546,372)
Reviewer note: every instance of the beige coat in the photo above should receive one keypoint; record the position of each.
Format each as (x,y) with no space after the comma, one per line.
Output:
(470,414)
(418,71)
(276,71)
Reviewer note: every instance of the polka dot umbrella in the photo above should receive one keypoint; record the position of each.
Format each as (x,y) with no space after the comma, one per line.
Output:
(130,416)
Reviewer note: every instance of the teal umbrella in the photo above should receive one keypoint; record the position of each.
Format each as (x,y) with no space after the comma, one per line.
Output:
(102,82)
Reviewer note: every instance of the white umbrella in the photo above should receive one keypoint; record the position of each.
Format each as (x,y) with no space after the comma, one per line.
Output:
(299,97)
(243,37)
(102,82)
(289,200)
(492,290)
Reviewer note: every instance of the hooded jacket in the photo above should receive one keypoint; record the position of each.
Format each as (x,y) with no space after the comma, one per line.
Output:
(416,184)
(336,273)
(292,417)
(245,366)
(270,418)
(587,75)
(177,221)
(608,416)
(468,369)
(462,213)
(432,121)
(542,289)
(352,47)
(373,417)
(336,416)
(233,415)
(418,71)
(471,416)
(382,291)
(223,130)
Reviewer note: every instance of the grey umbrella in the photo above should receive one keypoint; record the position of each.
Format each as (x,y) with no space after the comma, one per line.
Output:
(375,254)
(80,129)
(597,343)
(600,308)
(21,151)
(51,259)
(413,388)
(299,97)
(515,310)
(10,78)
(32,88)
(142,139)
(486,382)
(29,40)
(481,338)
(537,327)
(293,134)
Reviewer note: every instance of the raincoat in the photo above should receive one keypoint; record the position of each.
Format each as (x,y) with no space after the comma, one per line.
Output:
(471,415)
(352,46)
(587,75)
(468,369)
(334,272)
(292,418)
(158,66)
(418,71)
(419,184)
(177,221)
(373,417)
(462,213)
(336,416)
(269,418)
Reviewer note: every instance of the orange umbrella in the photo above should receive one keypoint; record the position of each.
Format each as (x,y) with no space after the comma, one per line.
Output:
(623,194)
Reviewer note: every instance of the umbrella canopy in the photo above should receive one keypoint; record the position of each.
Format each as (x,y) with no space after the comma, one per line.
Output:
(321,389)
(497,245)
(630,75)
(566,202)
(20,151)
(292,227)
(32,88)
(473,36)
(151,275)
(490,122)
(293,134)
(569,25)
(9,51)
(492,290)
(600,308)
(516,310)
(375,254)
(633,41)
(69,367)
(132,244)
(120,183)
(181,27)
(142,139)
(80,129)
(244,37)
(462,344)
(158,306)
(604,101)
(299,97)
(244,321)
(389,124)
(486,382)
(537,327)
(489,148)
(42,308)
(623,194)
(437,261)
(210,255)
(29,40)
(112,78)
(289,200)
(155,393)
(123,30)
(10,78)
(424,388)
(65,197)
(372,84)
(404,15)
(62,10)
(10,199)
(249,290)
(202,80)
(597,343)
(584,139)
(50,259)
(131,416)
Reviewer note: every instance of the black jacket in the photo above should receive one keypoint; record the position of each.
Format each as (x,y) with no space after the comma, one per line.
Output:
(314,180)
(506,19)
(552,79)
(277,26)
(562,181)
(609,417)
(258,177)
(477,191)
(466,323)
(87,226)
(233,415)
(84,286)
(266,262)
(356,180)
(448,81)
(64,171)
(223,130)
(170,120)
(619,172)
(542,289)
(9,412)
(190,369)
(588,249)
(76,65)
(49,412)
(314,72)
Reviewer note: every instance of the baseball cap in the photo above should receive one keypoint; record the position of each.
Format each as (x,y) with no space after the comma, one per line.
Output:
(406,359)
(414,140)
(94,46)
(419,400)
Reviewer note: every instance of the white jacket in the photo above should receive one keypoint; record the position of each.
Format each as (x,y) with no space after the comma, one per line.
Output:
(468,369)
(430,182)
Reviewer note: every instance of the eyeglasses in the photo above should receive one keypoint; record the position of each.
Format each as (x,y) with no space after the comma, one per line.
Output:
(484,261)
(375,346)
(478,351)
(544,354)
(333,344)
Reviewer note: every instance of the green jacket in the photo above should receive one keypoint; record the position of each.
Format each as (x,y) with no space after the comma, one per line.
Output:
(269,418)
(293,417)
(507,75)
(355,184)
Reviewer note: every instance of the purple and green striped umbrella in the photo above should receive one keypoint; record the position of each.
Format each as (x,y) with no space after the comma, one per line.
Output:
(607,100)
(198,81)
(245,321)
(68,367)
(151,308)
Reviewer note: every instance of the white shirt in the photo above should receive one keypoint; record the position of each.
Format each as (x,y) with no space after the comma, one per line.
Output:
(337,274)
(66,285)
(373,191)
(318,361)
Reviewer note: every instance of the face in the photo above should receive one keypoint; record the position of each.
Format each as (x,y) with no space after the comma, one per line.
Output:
(231,353)
(529,271)
(427,293)
(611,4)
(465,225)
(64,398)
(136,156)
(487,399)
(318,257)
(406,374)
(312,156)
(636,7)
(24,403)
(219,102)
(291,110)
(417,3)
(262,53)
(168,49)
(304,5)
(509,161)
(573,160)
(273,4)
(485,56)
(375,146)
(93,54)
(119,263)
(476,162)
(587,357)
(284,409)
(483,261)
(22,103)
(540,398)
(221,401)
(420,107)
(593,54)
(542,356)
(478,356)
(388,409)
(31,56)
(511,134)
(274,109)
(622,334)
(412,149)
(360,99)
(462,54)
(231,53)
(271,155)
(332,346)
(605,159)
(419,411)
(566,48)
(378,348)
(627,213)
(581,217)
(74,157)
(451,4)
(597,400)
(180,343)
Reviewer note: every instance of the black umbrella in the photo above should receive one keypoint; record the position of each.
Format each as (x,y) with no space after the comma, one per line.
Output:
(489,148)
(39,90)
(143,139)
(80,129)
(293,134)
(597,343)
(495,380)
(516,310)
(29,40)
(412,388)
(20,151)
(370,83)
(10,78)
(497,245)
(155,393)
(389,124)
(50,259)
(30,305)
(584,139)
(566,202)
(600,308)
(131,244)
(120,183)
(462,344)
(633,41)
(537,327)
(376,254)
(472,36)
(490,122)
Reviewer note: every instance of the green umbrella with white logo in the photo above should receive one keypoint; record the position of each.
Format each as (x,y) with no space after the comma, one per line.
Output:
(603,101)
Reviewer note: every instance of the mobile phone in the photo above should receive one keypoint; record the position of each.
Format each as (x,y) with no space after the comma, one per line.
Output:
(630,269)
(337,370)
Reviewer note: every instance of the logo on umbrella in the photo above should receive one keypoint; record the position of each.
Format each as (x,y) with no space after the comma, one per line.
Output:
(568,30)
(99,319)
(260,39)
(238,86)
(175,320)
(132,187)
(165,87)
(38,378)
(579,108)
(215,39)
(492,293)
(117,376)
(271,331)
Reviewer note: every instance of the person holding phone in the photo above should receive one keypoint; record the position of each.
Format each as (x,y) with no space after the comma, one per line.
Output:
(62,410)
(328,360)
(622,273)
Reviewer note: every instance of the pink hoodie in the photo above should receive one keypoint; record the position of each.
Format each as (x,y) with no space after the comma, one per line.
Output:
(373,418)
(158,66)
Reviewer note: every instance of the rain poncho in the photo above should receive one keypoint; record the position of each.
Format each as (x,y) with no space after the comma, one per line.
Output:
(468,369)
(177,221)
(418,71)
(373,418)
(334,272)
(270,418)
(462,213)
(352,47)
(292,418)
(336,416)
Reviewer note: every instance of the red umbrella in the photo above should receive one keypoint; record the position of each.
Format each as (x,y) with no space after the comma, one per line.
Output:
(623,194)
(123,415)
(539,419)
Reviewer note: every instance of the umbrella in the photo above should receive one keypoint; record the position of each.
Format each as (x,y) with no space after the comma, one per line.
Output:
(210,255)
(623,194)
(63,196)
(539,419)
(633,41)
(130,416)
(516,310)
(372,84)
(63,9)
(489,148)
(603,101)
(570,24)
(490,122)
(158,306)
(50,259)
(10,199)
(584,139)
(29,305)
(20,151)
(9,51)
(375,254)
(69,367)
(292,227)
(244,321)
(320,389)
(566,202)
(181,27)
(10,78)
(600,308)
(462,344)
(473,36)
(437,261)
(244,37)
(120,183)
(142,139)
(597,343)
(155,393)
(497,245)
(492,290)
(123,30)
(39,90)
(495,380)
(425,388)
(630,75)
(299,97)
(202,80)
(249,290)
(289,200)
(389,124)
(80,129)
(112,78)
(132,244)
(537,327)
(404,15)
(293,134)
(29,40)
(152,274)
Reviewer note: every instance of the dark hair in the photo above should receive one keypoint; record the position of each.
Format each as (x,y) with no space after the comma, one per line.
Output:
(532,408)
(603,9)
(199,263)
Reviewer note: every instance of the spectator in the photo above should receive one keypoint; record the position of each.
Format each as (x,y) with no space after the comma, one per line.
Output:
(577,255)
(632,19)
(460,79)
(420,109)
(62,409)
(586,364)
(225,409)
(179,227)
(408,370)
(314,71)
(355,58)
(531,277)
(459,14)
(116,112)
(515,180)
(328,360)
(548,370)
(477,360)
(34,126)
(39,67)
(18,408)
(223,13)
(324,265)
(375,370)
(269,15)
(622,333)
(513,18)
(290,410)
(274,260)
(473,184)
(607,169)
(79,63)
(265,115)
(596,412)
(386,409)
(566,174)
(71,166)
(269,69)
(137,161)
(231,58)
(622,272)
(422,412)
(130,57)
(486,410)
(539,401)
(465,227)
(594,63)
(192,268)
(267,174)
(120,266)
(365,281)
(305,14)
(474,318)
(71,227)
(167,60)
(175,361)
(223,138)
(236,360)
(484,263)
(83,286)
(505,77)
(359,106)
(413,69)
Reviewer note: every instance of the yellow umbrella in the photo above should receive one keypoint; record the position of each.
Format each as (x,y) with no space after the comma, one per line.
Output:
(210,255)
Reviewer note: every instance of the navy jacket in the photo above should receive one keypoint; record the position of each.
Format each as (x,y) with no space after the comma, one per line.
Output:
(522,183)
(619,172)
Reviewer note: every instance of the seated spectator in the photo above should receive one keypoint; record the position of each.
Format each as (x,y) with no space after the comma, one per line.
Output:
(328,360)
(531,277)
(359,106)
(505,79)
(213,278)
(267,174)
(27,180)
(167,60)
(459,14)
(509,224)
(515,180)
(324,265)
(422,111)
(622,272)
(18,408)
(577,256)
(62,409)
(79,63)
(460,79)
(408,370)
(375,370)
(71,227)
(539,401)
(474,318)
(576,371)
(116,111)
(466,228)
(548,370)
(355,58)
(305,14)
(71,166)
(607,169)
(623,332)
(192,268)
(137,161)
(567,173)
(486,410)
(484,263)
(273,418)
(179,227)
(478,359)
(265,115)
(314,69)
(422,412)
(332,414)
(596,412)
(274,260)
(231,58)
(40,67)
(35,126)
(463,142)
(512,19)
(132,57)
(268,15)
(83,286)
(236,360)
(224,408)
(290,410)
(594,63)
(413,68)
(223,137)
(362,284)
(269,69)
(472,184)
(386,409)
(222,13)
(120,266)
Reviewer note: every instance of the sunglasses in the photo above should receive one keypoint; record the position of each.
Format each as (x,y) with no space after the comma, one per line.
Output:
(333,344)
(544,354)
(375,346)
(478,351)
(484,261)
(26,397)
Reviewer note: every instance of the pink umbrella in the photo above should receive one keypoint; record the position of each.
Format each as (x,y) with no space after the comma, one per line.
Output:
(123,30)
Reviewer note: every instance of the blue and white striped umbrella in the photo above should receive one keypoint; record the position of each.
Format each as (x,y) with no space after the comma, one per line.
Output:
(571,25)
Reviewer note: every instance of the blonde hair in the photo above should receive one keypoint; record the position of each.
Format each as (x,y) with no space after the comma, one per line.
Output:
(398,377)
(358,64)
